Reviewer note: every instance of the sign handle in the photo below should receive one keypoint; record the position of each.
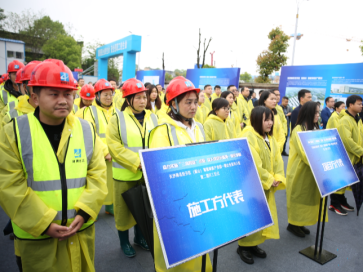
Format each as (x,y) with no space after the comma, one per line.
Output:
(215,257)
(204,258)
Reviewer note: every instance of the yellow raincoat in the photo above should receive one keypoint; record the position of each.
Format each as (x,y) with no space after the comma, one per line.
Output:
(215,96)
(159,138)
(234,115)
(245,109)
(302,193)
(270,167)
(85,114)
(217,129)
(118,101)
(207,103)
(128,159)
(202,113)
(283,119)
(27,210)
(163,110)
(23,107)
(333,121)
(279,133)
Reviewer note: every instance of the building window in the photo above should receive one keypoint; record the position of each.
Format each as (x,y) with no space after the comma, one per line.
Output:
(11,54)
(19,55)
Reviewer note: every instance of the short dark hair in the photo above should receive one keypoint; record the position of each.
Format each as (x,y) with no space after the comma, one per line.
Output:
(285,97)
(37,90)
(352,99)
(146,84)
(80,79)
(206,86)
(230,87)
(217,104)
(306,116)
(338,104)
(301,93)
(275,90)
(263,98)
(217,87)
(257,119)
(158,85)
(327,99)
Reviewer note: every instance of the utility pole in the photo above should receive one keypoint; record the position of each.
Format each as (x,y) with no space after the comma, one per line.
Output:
(211,63)
(297,18)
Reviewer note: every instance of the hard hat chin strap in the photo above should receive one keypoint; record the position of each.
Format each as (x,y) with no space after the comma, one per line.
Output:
(177,111)
(98,100)
(131,102)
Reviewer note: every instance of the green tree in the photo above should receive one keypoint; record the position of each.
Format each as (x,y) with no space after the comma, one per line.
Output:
(208,66)
(2,18)
(180,72)
(64,48)
(246,77)
(272,59)
(168,77)
(361,48)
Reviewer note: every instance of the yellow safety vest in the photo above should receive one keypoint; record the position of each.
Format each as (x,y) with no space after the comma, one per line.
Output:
(58,185)
(75,108)
(131,138)
(101,123)
(7,97)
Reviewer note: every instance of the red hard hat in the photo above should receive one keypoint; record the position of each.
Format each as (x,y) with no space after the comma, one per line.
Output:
(14,66)
(102,85)
(87,92)
(178,86)
(52,74)
(132,86)
(28,69)
(18,76)
(1,80)
(5,77)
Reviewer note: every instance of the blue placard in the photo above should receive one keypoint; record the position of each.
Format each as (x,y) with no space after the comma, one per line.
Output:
(203,196)
(152,76)
(337,80)
(214,76)
(328,160)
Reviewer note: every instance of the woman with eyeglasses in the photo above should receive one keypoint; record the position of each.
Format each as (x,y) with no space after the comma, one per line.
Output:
(99,115)
(234,112)
(219,125)
(270,167)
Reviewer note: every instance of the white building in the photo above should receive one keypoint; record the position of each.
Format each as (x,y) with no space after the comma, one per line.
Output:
(10,50)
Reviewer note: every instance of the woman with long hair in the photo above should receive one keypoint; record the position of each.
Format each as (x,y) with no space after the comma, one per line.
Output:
(268,99)
(270,167)
(234,111)
(302,193)
(153,99)
(178,128)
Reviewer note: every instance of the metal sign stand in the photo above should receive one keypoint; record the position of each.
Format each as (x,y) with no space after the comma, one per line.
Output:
(312,252)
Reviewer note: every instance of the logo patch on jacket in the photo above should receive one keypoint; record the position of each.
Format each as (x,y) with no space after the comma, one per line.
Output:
(77,153)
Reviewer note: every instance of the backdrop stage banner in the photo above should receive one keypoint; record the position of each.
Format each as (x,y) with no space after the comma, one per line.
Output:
(152,76)
(328,160)
(203,196)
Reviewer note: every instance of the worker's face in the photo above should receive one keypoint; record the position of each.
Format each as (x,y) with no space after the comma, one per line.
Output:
(208,90)
(340,108)
(188,105)
(317,113)
(154,94)
(81,82)
(234,90)
(218,91)
(106,97)
(12,77)
(113,84)
(201,97)
(267,123)
(87,103)
(160,89)
(230,99)
(223,113)
(356,107)
(284,102)
(246,92)
(330,103)
(54,103)
(270,102)
(139,102)
(308,97)
(277,93)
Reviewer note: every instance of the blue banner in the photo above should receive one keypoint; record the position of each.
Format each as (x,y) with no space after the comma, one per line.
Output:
(154,77)
(328,160)
(338,81)
(214,76)
(203,196)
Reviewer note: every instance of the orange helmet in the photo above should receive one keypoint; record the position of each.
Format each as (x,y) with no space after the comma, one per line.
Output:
(18,76)
(87,92)
(132,86)
(102,85)
(178,86)
(28,69)
(52,74)
(14,66)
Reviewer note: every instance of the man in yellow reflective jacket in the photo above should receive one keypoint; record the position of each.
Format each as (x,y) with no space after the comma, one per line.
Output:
(52,177)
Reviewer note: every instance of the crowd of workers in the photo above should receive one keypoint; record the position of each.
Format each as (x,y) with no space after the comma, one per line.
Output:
(67,148)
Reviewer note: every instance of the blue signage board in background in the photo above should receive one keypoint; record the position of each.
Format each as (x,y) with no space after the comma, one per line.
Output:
(203,196)
(328,160)
(338,81)
(214,76)
(152,76)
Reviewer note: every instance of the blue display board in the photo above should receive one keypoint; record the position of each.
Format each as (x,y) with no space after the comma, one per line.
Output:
(338,81)
(153,76)
(214,76)
(203,196)
(328,160)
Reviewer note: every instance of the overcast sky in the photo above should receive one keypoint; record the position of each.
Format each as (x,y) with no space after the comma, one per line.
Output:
(238,28)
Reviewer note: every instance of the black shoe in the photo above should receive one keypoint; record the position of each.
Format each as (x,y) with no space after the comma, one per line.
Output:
(258,252)
(338,210)
(305,230)
(284,154)
(296,230)
(245,255)
(344,204)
